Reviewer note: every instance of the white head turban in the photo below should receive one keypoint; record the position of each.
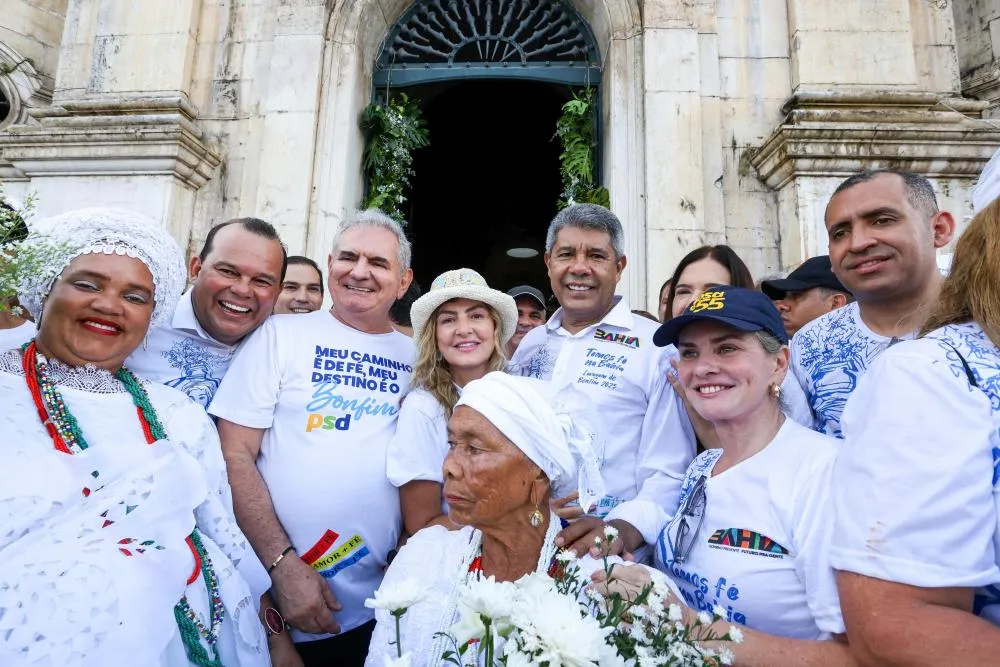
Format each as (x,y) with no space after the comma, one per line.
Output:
(112,231)
(988,187)
(549,428)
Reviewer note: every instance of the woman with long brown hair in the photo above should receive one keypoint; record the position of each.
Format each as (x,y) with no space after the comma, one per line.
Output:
(460,327)
(917,536)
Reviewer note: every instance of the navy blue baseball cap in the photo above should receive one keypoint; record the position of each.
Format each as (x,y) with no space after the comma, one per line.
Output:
(814,272)
(736,307)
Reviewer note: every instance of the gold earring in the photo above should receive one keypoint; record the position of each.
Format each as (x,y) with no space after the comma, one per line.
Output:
(775,390)
(536,517)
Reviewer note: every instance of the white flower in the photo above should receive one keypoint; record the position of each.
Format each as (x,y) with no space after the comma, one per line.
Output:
(610,533)
(726,656)
(516,658)
(470,626)
(704,618)
(735,634)
(402,596)
(608,657)
(566,635)
(719,612)
(536,584)
(674,612)
(489,597)
(566,557)
(403,661)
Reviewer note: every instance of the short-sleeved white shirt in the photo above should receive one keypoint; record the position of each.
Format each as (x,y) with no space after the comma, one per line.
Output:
(645,429)
(761,550)
(418,448)
(17,336)
(328,396)
(916,485)
(829,355)
(180,354)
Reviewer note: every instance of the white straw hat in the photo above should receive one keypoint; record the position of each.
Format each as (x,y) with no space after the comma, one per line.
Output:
(464,284)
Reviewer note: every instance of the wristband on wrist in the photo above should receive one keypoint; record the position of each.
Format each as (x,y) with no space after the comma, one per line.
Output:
(277,560)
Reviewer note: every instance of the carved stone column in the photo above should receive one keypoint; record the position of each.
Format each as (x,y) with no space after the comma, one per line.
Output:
(826,137)
(121,129)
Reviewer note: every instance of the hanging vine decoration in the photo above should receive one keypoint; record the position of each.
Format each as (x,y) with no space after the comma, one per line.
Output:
(575,130)
(392,132)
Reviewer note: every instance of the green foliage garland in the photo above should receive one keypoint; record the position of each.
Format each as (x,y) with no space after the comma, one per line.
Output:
(575,129)
(392,132)
(16,261)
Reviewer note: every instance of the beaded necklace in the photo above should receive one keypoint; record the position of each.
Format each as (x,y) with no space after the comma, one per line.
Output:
(67,437)
(472,566)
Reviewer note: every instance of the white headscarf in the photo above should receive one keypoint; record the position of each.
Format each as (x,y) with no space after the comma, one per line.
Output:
(548,427)
(58,240)
(988,187)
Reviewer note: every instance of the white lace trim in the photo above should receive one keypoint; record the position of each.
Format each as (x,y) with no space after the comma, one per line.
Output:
(109,231)
(87,378)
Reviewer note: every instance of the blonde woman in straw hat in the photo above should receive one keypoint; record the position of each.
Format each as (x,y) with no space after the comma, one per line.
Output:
(460,327)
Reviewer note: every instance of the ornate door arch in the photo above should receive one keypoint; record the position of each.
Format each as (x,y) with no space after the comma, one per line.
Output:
(439,40)
(356,34)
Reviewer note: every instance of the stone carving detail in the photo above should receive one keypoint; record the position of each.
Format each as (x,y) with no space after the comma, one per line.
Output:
(515,32)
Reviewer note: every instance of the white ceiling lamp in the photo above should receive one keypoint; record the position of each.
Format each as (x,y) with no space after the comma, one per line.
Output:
(522,253)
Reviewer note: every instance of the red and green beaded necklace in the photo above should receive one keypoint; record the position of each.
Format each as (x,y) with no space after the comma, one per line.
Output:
(68,438)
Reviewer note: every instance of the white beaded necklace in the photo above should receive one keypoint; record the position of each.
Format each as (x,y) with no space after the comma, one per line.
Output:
(450,615)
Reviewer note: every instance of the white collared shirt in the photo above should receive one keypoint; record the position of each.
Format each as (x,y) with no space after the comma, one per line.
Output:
(181,354)
(648,441)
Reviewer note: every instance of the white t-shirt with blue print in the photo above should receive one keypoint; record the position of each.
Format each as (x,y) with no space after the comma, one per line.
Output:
(915,485)
(829,356)
(761,551)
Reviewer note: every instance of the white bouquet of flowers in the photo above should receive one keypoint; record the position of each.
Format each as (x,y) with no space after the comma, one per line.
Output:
(565,620)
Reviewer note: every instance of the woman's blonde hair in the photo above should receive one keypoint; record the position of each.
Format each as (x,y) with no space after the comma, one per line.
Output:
(971,292)
(433,373)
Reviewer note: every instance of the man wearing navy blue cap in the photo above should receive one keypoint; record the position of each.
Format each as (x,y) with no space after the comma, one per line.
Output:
(810,291)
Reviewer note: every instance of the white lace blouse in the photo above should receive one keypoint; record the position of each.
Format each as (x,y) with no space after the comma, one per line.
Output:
(93,544)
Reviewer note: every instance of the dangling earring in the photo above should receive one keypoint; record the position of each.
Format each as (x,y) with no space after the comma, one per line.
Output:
(536,517)
(145,342)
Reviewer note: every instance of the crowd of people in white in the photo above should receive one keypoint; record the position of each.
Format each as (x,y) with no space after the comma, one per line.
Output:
(224,474)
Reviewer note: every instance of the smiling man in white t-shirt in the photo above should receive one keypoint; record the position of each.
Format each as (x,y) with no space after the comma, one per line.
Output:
(306,413)
(235,280)
(884,229)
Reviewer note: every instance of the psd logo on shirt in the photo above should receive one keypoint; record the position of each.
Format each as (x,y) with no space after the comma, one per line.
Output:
(747,542)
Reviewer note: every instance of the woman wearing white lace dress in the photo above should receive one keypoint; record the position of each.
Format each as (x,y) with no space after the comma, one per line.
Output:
(510,441)
(117,536)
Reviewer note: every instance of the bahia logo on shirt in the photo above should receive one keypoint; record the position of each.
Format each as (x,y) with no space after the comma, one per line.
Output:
(621,339)
(746,541)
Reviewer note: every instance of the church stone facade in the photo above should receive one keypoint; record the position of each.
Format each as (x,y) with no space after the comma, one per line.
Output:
(721,120)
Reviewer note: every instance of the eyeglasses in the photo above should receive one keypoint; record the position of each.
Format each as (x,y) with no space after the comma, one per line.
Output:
(692,514)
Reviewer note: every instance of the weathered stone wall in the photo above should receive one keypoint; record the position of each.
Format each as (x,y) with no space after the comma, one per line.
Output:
(977,26)
(724,121)
(33,29)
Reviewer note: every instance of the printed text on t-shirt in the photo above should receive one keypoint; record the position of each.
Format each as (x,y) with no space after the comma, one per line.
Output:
(602,368)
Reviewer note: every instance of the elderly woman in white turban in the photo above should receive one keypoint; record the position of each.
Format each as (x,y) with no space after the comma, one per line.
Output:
(117,535)
(511,441)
